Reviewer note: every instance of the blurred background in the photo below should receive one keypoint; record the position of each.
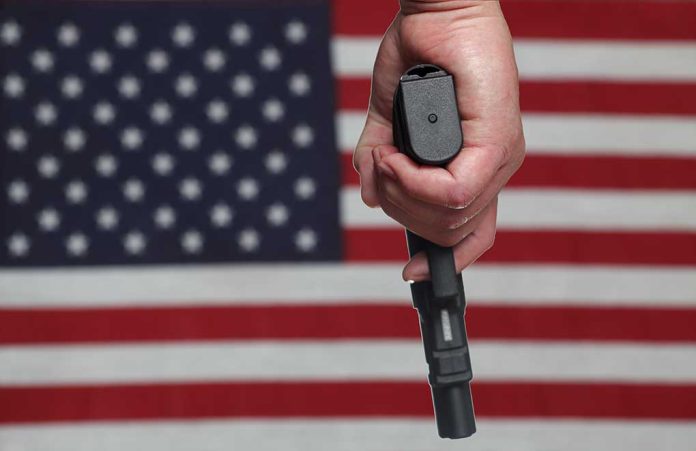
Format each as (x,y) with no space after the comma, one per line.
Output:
(186,263)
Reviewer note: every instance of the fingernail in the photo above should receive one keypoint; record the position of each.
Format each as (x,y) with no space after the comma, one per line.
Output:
(420,273)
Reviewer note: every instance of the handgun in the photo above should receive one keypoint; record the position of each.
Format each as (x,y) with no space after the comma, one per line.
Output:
(427,128)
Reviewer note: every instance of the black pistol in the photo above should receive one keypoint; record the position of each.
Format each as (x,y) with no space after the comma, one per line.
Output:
(427,129)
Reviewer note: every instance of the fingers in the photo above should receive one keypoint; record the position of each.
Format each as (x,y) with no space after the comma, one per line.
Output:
(454,187)
(467,251)
(377,133)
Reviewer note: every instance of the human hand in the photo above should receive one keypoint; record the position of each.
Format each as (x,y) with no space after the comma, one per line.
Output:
(455,205)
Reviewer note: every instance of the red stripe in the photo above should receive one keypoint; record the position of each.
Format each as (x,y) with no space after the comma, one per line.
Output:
(329,399)
(568,96)
(29,326)
(587,172)
(601,19)
(545,246)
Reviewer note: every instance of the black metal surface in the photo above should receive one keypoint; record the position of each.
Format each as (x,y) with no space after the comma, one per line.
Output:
(427,128)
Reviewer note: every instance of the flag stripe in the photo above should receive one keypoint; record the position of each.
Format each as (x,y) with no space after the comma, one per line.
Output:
(577,134)
(350,434)
(595,172)
(576,96)
(340,399)
(553,59)
(604,19)
(340,283)
(384,359)
(547,246)
(539,209)
(114,325)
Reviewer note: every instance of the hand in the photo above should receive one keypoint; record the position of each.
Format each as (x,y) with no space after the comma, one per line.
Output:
(456,205)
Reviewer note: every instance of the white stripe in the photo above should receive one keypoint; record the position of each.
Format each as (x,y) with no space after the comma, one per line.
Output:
(578,134)
(557,209)
(344,360)
(543,59)
(347,434)
(340,283)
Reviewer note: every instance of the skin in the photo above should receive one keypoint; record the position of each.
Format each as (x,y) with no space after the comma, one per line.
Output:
(456,205)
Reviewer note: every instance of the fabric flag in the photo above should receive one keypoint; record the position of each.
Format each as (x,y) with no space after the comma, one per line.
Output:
(185,262)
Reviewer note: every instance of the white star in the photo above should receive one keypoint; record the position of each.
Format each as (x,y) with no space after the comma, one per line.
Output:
(71,87)
(157,61)
(165,217)
(76,192)
(276,162)
(221,215)
(74,139)
(219,163)
(246,136)
(217,111)
(68,35)
(160,112)
(248,240)
(163,163)
(305,188)
(18,245)
(45,113)
(190,189)
(299,84)
(18,191)
(214,60)
(100,61)
(186,85)
(192,242)
(306,240)
(183,35)
(277,214)
(48,166)
(242,85)
(48,219)
(239,33)
(303,136)
(126,35)
(248,188)
(16,139)
(129,87)
(270,58)
(132,138)
(77,244)
(134,190)
(273,110)
(42,60)
(134,243)
(13,85)
(10,33)
(107,218)
(296,32)
(106,165)
(189,138)
(104,113)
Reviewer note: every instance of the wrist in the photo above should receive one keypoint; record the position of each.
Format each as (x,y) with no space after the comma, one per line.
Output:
(428,6)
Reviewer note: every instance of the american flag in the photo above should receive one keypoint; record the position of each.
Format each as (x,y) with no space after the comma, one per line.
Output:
(186,262)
